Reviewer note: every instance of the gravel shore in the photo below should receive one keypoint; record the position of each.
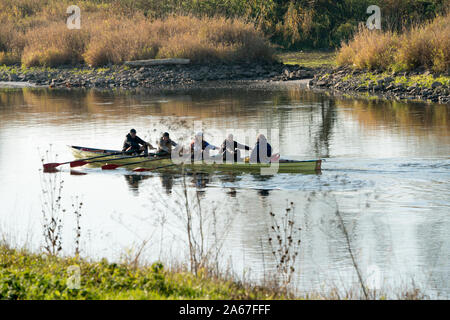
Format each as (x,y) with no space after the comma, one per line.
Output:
(154,76)
(414,85)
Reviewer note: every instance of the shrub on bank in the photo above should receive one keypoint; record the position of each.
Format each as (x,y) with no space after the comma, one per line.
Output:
(59,46)
(369,50)
(425,46)
(12,43)
(103,40)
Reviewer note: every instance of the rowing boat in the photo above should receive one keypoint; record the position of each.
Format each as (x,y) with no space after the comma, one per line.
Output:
(284,165)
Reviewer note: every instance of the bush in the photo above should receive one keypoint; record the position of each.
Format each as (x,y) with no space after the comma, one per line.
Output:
(425,46)
(103,40)
(59,46)
(12,43)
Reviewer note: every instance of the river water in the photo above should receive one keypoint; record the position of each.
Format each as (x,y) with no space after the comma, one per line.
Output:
(387,174)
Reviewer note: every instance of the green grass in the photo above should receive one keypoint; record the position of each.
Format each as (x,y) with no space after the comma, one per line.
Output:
(30,276)
(24,275)
(14,69)
(422,80)
(311,59)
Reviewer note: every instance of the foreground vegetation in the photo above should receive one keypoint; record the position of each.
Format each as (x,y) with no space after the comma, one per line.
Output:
(24,275)
(426,46)
(30,276)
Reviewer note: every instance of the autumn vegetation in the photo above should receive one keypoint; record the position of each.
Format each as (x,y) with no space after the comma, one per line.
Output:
(34,32)
(424,46)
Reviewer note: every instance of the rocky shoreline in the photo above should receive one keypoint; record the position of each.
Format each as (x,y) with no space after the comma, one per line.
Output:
(415,85)
(154,76)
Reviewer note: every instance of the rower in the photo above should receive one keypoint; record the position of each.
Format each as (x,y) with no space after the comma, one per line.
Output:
(230,149)
(165,145)
(199,146)
(134,144)
(262,151)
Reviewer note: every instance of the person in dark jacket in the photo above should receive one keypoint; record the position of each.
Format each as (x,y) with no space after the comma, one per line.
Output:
(262,152)
(230,149)
(134,144)
(165,145)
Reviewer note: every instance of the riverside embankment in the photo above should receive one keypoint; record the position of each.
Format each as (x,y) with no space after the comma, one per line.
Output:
(153,76)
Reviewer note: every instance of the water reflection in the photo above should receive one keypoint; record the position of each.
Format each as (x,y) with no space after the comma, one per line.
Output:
(134,181)
(328,118)
(198,180)
(263,193)
(167,181)
(76,173)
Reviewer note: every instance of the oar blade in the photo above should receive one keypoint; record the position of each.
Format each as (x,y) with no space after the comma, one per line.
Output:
(50,166)
(110,166)
(78,163)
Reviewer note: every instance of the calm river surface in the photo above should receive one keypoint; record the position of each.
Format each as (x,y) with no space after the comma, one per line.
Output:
(387,171)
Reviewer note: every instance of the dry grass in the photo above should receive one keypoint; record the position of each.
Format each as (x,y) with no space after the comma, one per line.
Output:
(427,46)
(423,46)
(116,40)
(12,43)
(59,46)
(201,40)
(369,50)
(42,39)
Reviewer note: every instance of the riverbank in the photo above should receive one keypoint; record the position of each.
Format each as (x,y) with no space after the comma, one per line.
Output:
(413,85)
(30,276)
(120,76)
(409,65)
(24,275)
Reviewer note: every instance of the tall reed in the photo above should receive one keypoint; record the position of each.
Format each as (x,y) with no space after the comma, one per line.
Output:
(426,46)
(116,38)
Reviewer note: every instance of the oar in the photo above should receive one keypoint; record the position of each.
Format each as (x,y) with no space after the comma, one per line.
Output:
(150,169)
(78,163)
(82,162)
(115,166)
(115,159)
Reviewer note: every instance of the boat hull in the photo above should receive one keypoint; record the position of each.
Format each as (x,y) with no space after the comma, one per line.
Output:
(283,166)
